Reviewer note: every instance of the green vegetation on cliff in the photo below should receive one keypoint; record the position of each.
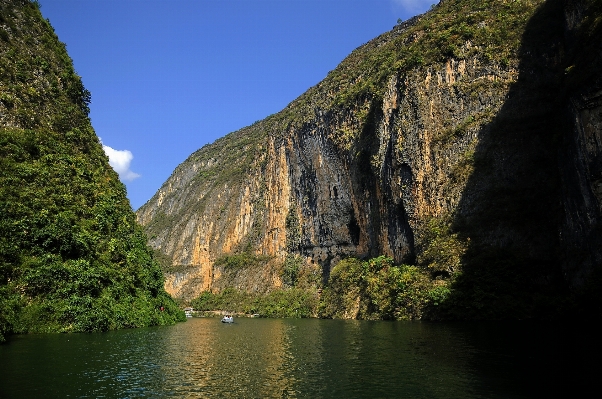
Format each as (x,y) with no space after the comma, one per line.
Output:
(72,257)
(488,30)
(375,289)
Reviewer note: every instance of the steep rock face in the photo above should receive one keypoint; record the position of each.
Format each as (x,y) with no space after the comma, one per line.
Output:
(581,153)
(462,140)
(348,196)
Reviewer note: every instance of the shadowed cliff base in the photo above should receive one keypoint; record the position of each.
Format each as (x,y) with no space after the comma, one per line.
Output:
(528,213)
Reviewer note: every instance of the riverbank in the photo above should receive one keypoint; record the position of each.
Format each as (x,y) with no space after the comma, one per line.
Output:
(221,313)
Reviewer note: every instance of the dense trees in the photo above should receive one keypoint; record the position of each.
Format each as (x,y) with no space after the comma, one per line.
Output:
(72,257)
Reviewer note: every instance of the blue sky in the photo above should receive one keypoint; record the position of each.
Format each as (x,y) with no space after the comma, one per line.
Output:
(169,76)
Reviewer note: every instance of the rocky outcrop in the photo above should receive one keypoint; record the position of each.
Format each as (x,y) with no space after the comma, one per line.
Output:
(449,150)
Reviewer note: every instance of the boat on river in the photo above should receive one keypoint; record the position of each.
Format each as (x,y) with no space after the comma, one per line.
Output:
(227,319)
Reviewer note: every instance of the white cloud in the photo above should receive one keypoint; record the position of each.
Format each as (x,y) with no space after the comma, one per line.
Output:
(120,161)
(413,6)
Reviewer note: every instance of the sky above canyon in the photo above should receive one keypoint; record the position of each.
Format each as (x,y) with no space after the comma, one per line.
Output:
(168,77)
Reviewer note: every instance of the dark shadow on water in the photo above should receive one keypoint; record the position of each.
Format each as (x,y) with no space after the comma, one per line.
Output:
(515,212)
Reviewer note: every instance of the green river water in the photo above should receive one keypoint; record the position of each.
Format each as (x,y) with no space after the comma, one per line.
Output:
(306,358)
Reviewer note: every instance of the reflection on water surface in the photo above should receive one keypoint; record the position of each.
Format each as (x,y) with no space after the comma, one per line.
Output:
(273,358)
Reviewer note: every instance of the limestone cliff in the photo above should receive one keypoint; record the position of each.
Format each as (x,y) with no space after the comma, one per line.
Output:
(465,140)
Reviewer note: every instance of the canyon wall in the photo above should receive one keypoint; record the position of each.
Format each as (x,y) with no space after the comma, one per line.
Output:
(440,144)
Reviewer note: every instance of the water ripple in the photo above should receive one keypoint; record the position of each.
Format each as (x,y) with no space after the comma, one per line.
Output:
(263,358)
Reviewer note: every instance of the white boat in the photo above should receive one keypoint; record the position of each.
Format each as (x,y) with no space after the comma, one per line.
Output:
(228,319)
